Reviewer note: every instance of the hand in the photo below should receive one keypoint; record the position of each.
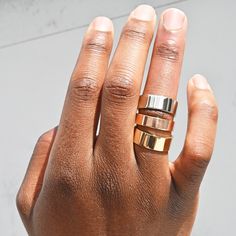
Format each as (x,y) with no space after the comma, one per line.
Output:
(78,183)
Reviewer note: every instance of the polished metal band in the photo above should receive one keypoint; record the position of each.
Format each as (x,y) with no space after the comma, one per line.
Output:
(154,122)
(151,141)
(157,102)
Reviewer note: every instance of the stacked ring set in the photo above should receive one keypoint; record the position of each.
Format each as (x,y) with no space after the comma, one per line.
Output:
(149,140)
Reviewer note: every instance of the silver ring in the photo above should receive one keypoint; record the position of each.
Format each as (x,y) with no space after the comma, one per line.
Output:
(158,102)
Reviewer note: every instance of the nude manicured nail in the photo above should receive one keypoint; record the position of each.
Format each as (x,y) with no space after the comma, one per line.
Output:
(144,12)
(173,19)
(200,82)
(101,23)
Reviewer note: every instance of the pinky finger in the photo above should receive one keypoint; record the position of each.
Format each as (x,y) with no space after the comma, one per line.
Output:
(188,170)
(33,179)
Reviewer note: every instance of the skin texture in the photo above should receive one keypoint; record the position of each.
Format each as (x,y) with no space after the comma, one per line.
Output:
(78,183)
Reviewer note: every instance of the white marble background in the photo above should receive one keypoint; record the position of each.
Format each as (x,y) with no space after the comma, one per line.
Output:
(39,43)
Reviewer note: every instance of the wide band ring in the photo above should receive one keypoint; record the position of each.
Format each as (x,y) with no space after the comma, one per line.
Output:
(154,122)
(157,102)
(151,141)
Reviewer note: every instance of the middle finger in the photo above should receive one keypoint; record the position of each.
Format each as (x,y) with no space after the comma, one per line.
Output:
(122,85)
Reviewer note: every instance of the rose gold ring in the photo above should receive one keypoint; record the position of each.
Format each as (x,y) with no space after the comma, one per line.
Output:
(154,122)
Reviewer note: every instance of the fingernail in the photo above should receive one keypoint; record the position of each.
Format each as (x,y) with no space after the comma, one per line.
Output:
(101,23)
(144,12)
(173,19)
(200,82)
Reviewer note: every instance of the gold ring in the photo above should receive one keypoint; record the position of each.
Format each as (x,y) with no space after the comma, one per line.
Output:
(159,103)
(151,141)
(154,122)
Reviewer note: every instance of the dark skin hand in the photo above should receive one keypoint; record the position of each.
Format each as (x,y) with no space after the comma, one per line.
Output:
(78,183)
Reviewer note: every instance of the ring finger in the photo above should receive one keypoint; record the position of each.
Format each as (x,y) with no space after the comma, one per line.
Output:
(163,79)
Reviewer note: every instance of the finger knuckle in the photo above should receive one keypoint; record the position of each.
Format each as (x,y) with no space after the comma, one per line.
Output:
(137,32)
(168,51)
(22,204)
(120,85)
(206,108)
(98,43)
(199,154)
(108,179)
(176,207)
(148,202)
(65,183)
(84,88)
(109,186)
(200,162)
